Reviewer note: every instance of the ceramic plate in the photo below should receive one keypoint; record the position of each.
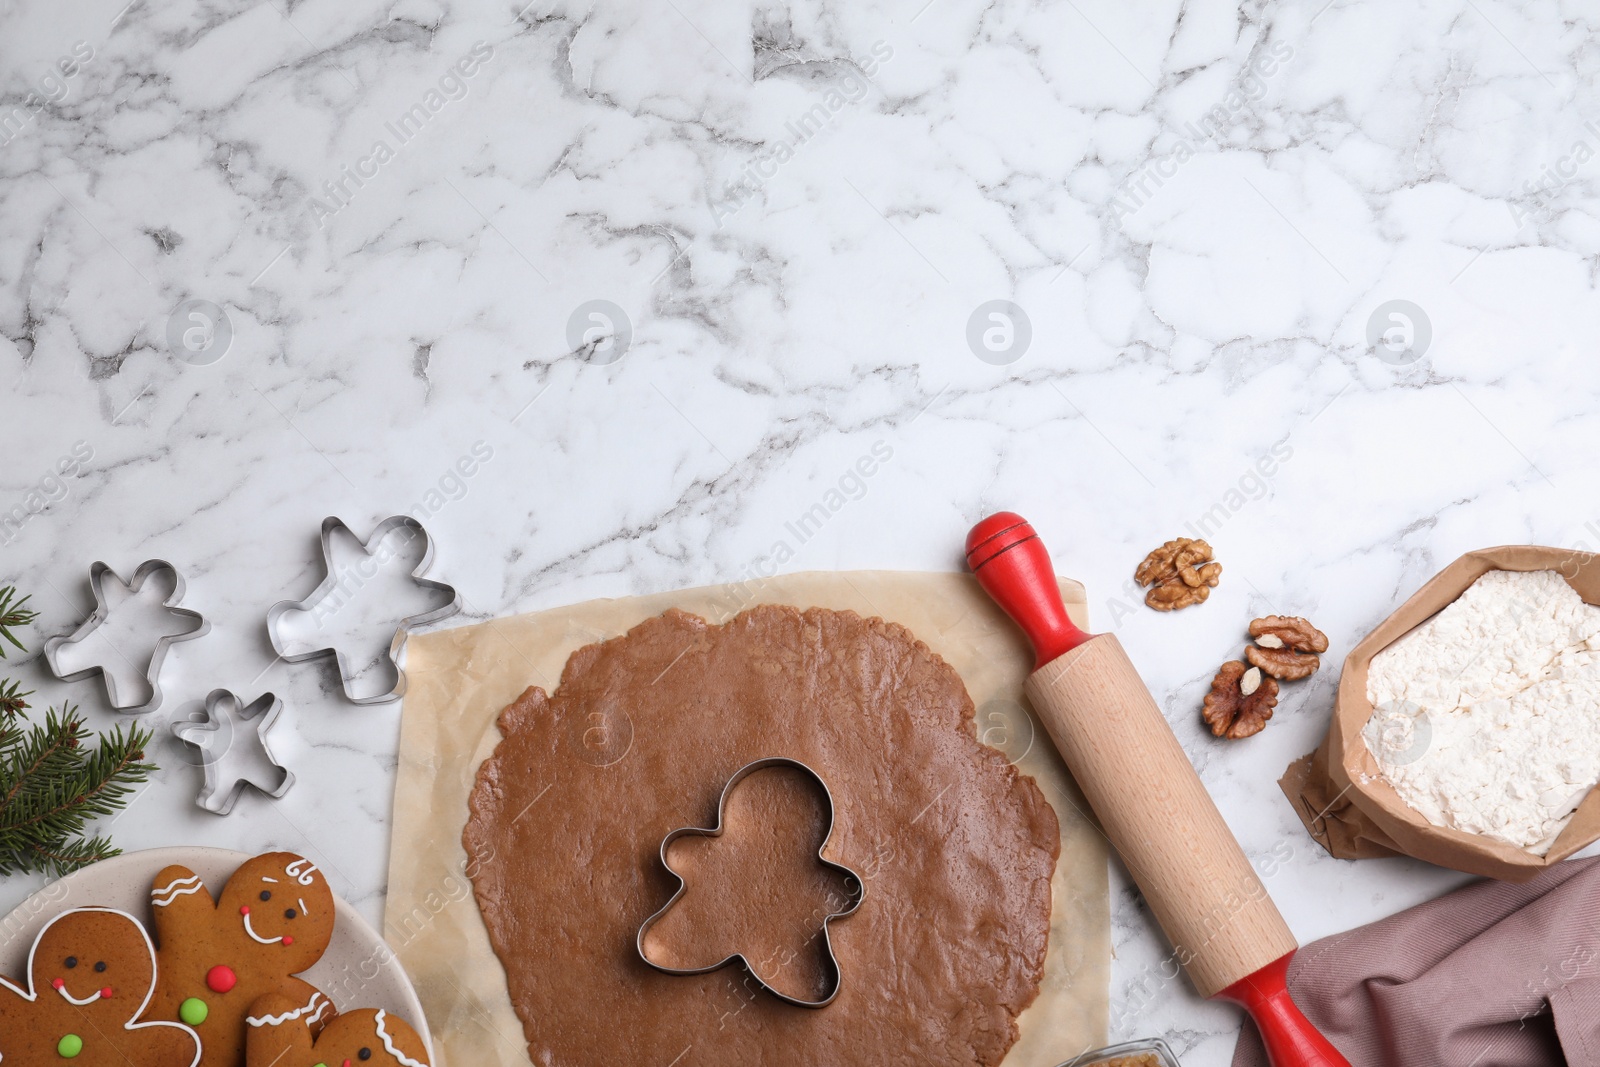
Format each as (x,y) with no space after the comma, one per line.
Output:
(358,970)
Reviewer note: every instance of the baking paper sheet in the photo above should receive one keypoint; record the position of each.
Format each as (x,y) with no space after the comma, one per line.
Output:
(459,680)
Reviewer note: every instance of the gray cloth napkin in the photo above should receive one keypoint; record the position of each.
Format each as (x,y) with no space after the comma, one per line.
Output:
(1491,975)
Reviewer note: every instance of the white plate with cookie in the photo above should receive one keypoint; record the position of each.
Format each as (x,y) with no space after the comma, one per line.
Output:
(358,970)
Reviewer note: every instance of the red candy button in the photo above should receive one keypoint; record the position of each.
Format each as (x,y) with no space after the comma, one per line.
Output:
(105,994)
(57,983)
(287,940)
(220,979)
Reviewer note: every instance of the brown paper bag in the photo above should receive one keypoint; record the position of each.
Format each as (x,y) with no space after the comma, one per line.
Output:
(1342,797)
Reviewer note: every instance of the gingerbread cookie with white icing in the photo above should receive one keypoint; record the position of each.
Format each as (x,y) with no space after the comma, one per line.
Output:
(273,920)
(91,974)
(278,1037)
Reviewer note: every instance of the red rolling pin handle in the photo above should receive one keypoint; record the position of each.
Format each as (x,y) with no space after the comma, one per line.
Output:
(1288,1036)
(1024,584)
(1013,566)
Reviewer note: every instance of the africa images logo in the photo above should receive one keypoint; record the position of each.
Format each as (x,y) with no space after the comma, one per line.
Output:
(199,332)
(1399,332)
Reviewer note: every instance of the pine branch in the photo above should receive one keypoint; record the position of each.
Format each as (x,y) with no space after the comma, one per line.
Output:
(70,855)
(51,783)
(43,752)
(61,787)
(11,702)
(13,614)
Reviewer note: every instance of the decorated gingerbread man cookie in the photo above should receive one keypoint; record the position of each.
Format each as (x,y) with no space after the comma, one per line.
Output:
(274,920)
(364,1038)
(91,973)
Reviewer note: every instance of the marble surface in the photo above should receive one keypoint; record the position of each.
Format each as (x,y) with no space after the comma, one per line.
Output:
(397,218)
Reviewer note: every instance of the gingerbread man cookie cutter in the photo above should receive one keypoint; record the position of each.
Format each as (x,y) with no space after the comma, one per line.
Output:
(331,585)
(852,879)
(227,721)
(98,574)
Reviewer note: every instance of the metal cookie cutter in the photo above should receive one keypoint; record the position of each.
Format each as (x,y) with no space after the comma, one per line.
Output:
(331,584)
(852,879)
(228,723)
(98,574)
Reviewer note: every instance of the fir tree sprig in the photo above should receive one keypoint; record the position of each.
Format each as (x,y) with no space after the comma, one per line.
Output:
(52,783)
(14,614)
(11,702)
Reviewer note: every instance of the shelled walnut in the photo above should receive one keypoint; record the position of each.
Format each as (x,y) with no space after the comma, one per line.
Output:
(1240,702)
(1286,646)
(1179,573)
(1242,699)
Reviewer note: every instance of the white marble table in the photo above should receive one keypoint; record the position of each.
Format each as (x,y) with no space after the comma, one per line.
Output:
(401,213)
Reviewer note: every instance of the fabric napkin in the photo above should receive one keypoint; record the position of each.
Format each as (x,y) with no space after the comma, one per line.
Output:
(1491,975)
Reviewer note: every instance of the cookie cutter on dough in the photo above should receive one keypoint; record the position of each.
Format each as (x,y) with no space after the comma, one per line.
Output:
(98,573)
(859,893)
(222,707)
(331,583)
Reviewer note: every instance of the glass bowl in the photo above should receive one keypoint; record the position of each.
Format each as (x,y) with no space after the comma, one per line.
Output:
(1148,1047)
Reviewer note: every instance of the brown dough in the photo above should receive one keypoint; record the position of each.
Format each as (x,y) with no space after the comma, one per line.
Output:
(956,848)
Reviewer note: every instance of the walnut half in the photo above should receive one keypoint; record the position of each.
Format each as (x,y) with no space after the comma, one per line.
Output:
(1285,646)
(1232,713)
(1179,573)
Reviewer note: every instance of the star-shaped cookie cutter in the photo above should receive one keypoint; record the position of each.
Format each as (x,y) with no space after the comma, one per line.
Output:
(858,893)
(331,584)
(223,709)
(98,573)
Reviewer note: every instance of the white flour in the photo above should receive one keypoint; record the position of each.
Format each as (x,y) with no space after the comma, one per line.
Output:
(1488,714)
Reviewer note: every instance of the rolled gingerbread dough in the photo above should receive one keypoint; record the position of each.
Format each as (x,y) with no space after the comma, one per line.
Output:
(460,680)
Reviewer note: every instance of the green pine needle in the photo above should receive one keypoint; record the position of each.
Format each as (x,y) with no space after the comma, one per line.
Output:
(11,702)
(13,614)
(53,784)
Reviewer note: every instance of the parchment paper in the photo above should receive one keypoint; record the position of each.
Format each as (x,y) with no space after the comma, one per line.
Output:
(459,680)
(1339,791)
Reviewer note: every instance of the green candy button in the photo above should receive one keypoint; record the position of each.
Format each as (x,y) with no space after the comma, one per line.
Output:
(68,1047)
(193,1011)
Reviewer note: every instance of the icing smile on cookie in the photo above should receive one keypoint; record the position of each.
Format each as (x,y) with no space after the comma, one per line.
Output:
(60,986)
(244,911)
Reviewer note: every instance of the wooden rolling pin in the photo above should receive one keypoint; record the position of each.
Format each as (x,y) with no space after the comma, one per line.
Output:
(1224,928)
